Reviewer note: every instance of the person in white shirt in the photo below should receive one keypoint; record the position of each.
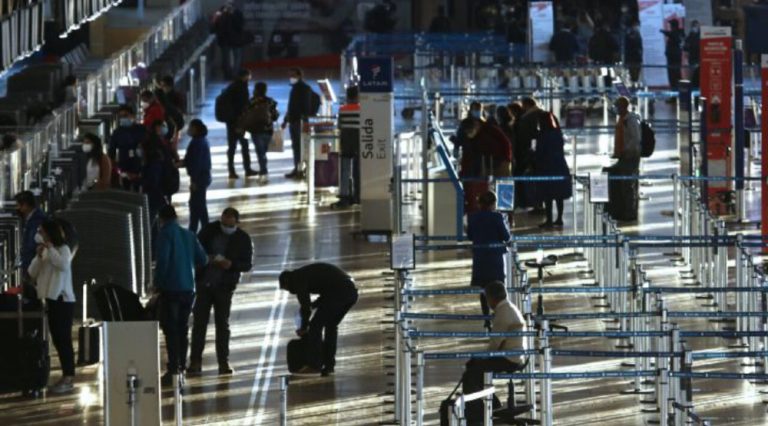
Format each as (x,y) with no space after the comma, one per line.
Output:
(51,270)
(627,137)
(506,318)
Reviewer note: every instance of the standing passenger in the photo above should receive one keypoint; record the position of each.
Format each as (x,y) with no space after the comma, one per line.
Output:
(485,227)
(263,136)
(231,251)
(197,161)
(299,105)
(51,269)
(238,97)
(99,169)
(178,253)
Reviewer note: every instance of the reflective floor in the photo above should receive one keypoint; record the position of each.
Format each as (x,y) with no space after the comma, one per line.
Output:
(288,233)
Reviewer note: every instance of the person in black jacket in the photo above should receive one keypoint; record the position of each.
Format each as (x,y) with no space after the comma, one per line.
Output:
(232,252)
(299,104)
(239,97)
(674,52)
(229,27)
(564,44)
(337,293)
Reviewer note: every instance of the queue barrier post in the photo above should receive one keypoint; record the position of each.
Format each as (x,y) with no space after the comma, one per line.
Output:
(419,388)
(284,380)
(675,206)
(488,400)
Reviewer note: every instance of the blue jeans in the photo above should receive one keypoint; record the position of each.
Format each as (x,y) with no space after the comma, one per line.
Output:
(198,209)
(261,143)
(294,128)
(175,308)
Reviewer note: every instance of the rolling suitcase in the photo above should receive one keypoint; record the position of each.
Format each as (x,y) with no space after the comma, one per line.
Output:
(295,354)
(24,362)
(623,195)
(327,171)
(88,336)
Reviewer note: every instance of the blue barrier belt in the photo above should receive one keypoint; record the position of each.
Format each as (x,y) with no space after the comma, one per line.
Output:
(456,317)
(477,354)
(726,376)
(614,354)
(582,375)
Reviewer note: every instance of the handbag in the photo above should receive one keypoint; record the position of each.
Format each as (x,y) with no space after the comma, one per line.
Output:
(446,406)
(278,143)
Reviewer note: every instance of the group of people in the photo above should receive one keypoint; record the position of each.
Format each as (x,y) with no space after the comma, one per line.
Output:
(519,139)
(193,274)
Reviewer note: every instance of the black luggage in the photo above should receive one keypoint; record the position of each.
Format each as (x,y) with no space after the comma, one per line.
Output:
(116,303)
(446,406)
(24,362)
(623,195)
(296,354)
(88,336)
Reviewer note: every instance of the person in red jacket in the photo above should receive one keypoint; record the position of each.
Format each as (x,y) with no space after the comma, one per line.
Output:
(152,108)
(489,154)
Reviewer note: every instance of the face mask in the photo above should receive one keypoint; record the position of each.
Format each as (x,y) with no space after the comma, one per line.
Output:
(476,114)
(228,230)
(87,147)
(294,80)
(126,122)
(39,238)
(163,130)
(144,104)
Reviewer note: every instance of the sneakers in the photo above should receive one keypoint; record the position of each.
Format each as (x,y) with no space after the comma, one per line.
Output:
(251,172)
(64,385)
(328,371)
(233,175)
(292,175)
(263,179)
(225,369)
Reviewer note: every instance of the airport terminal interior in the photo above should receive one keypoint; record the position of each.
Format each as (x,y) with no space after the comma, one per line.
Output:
(397,212)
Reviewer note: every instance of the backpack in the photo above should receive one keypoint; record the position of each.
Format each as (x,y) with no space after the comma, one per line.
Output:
(647,139)
(223,110)
(314,103)
(174,117)
(257,117)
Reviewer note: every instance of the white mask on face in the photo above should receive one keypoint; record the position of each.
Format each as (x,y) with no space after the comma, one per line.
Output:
(39,238)
(228,230)
(294,80)
(87,147)
(144,104)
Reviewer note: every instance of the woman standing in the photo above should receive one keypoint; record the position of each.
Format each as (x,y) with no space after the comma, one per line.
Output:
(51,269)
(263,134)
(197,161)
(550,161)
(152,163)
(99,169)
(487,226)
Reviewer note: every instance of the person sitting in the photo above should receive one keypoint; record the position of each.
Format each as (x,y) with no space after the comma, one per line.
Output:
(487,226)
(506,318)
(337,293)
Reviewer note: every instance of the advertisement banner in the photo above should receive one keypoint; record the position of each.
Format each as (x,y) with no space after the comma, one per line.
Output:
(376,135)
(716,86)
(764,127)
(541,15)
(651,23)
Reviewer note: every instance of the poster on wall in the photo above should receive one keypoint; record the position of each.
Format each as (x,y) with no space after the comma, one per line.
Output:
(716,86)
(651,23)
(301,28)
(541,15)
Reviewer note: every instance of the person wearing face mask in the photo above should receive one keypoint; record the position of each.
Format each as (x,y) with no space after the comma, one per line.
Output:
(169,178)
(51,270)
(232,251)
(152,108)
(123,148)
(299,105)
(98,172)
(461,147)
(197,161)
(178,254)
(32,217)
(623,194)
(238,97)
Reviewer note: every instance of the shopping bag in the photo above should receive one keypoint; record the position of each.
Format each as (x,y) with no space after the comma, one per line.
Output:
(277,144)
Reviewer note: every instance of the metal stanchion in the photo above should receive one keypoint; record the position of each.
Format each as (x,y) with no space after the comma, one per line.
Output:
(488,401)
(284,380)
(419,388)
(192,92)
(203,75)
(132,382)
(398,344)
(178,413)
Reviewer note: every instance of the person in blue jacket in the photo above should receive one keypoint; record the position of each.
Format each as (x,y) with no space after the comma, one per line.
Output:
(198,164)
(32,217)
(178,253)
(487,226)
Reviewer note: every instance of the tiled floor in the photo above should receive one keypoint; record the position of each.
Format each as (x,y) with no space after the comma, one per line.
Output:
(288,233)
